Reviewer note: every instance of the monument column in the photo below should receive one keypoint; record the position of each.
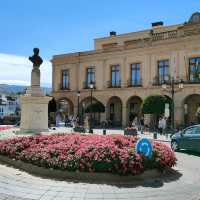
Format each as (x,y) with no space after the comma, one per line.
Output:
(34,104)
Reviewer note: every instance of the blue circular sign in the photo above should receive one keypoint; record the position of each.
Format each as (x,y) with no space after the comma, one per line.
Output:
(144,147)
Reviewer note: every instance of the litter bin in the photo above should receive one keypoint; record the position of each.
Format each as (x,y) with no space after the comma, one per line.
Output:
(91,130)
(104,131)
(155,135)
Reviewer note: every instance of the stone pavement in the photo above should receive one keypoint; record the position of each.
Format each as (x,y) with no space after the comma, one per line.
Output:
(184,185)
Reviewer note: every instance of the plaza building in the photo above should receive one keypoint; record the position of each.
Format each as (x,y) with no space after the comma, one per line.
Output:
(126,68)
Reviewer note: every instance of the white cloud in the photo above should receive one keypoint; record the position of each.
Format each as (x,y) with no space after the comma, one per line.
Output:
(16,70)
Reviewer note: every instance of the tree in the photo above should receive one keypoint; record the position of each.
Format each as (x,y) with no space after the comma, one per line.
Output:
(96,107)
(155,105)
(52,107)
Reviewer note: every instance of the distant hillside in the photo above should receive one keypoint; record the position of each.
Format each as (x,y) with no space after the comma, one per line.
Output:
(8,89)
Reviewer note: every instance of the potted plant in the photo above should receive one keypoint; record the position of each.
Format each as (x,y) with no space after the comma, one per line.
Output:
(130,131)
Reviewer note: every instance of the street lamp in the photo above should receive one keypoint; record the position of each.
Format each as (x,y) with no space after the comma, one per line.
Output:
(78,113)
(172,82)
(91,88)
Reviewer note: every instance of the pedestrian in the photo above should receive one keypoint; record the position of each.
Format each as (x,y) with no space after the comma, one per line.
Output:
(73,122)
(86,123)
(66,120)
(160,125)
(141,125)
(163,125)
(135,122)
(58,119)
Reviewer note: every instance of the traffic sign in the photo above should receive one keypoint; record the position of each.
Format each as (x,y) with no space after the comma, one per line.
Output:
(144,147)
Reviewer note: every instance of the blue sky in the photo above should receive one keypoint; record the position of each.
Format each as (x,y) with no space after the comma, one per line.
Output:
(62,26)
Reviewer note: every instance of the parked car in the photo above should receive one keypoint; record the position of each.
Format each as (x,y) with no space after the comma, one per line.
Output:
(188,138)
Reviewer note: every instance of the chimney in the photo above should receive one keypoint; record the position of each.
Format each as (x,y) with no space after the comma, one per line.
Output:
(157,24)
(113,33)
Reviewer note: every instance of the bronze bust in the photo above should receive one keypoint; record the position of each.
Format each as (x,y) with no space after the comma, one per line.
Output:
(36,59)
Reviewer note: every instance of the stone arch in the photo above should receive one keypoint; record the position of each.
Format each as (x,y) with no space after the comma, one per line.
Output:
(133,108)
(191,103)
(65,106)
(83,105)
(114,111)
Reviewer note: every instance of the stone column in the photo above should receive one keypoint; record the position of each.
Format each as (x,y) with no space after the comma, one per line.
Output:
(179,115)
(35,77)
(179,109)
(124,115)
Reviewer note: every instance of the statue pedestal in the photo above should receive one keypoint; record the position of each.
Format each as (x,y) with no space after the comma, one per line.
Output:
(34,115)
(34,107)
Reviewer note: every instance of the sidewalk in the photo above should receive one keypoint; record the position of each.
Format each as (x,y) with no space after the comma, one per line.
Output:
(162,138)
(11,132)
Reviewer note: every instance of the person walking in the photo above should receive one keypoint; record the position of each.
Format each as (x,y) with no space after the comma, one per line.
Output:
(160,125)
(142,125)
(163,125)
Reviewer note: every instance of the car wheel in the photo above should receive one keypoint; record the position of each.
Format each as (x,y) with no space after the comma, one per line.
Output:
(174,145)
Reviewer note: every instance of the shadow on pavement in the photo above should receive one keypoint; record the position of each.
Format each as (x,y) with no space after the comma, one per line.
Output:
(166,177)
(169,175)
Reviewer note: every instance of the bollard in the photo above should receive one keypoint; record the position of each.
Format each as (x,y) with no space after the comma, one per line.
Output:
(154,135)
(104,131)
(91,131)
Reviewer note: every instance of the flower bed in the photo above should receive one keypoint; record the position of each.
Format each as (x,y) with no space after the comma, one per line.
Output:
(5,127)
(87,153)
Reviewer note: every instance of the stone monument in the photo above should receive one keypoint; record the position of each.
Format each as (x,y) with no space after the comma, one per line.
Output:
(34,104)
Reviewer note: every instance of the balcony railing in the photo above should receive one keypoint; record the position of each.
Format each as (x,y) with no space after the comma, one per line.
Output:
(66,87)
(165,35)
(86,85)
(134,83)
(157,81)
(114,84)
(194,81)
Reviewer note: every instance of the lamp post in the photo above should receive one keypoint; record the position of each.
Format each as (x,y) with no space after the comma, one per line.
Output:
(91,88)
(172,83)
(78,112)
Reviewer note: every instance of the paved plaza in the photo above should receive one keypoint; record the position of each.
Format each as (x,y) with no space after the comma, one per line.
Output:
(184,184)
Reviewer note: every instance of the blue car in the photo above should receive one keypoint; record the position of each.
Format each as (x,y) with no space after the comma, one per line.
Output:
(188,138)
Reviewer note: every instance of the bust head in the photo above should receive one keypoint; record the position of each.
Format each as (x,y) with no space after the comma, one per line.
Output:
(36,51)
(36,59)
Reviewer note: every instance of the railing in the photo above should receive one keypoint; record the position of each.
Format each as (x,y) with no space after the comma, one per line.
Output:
(165,35)
(86,85)
(157,81)
(66,87)
(194,81)
(114,84)
(134,83)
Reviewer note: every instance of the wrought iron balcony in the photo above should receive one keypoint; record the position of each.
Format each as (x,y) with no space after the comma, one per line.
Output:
(64,87)
(114,84)
(86,85)
(193,81)
(157,81)
(134,83)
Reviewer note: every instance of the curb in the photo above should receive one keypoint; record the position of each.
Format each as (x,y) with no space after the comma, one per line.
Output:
(162,140)
(78,176)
